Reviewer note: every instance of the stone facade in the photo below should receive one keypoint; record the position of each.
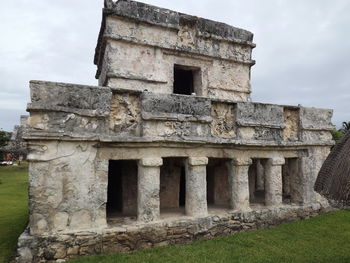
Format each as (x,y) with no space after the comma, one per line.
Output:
(169,148)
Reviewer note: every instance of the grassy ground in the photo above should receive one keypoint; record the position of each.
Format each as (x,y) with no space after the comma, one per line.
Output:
(322,239)
(13,208)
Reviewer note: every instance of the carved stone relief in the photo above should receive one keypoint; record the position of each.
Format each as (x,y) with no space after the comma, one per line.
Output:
(291,120)
(177,128)
(125,113)
(223,124)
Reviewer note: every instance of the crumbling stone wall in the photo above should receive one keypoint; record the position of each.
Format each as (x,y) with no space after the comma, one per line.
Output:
(52,247)
(65,191)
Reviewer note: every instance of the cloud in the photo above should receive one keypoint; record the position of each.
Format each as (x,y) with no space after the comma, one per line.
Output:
(302,48)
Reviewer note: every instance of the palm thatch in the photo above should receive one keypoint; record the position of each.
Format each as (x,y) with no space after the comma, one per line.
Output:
(333,181)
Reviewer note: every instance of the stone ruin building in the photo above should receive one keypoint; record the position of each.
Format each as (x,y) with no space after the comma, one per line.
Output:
(169,147)
(17,146)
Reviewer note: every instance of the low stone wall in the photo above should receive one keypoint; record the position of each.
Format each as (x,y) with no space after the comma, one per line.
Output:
(64,246)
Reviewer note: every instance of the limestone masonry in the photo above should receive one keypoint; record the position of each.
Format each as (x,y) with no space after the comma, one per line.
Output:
(169,147)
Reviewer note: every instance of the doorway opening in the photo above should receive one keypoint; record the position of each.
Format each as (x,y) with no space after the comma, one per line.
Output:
(256,179)
(122,191)
(172,187)
(218,195)
(291,182)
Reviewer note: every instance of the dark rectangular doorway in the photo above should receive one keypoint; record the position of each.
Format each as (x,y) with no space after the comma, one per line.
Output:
(122,189)
(172,186)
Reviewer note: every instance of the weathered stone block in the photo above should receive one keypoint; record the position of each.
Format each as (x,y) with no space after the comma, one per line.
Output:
(55,96)
(151,162)
(177,107)
(198,161)
(257,114)
(316,119)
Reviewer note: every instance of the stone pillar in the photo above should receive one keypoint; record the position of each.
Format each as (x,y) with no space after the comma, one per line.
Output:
(238,183)
(196,186)
(309,165)
(273,181)
(148,205)
(101,186)
(259,176)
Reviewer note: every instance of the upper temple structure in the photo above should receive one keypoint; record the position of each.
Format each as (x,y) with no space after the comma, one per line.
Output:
(169,147)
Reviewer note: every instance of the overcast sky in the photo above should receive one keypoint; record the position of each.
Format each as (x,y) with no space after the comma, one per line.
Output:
(302,54)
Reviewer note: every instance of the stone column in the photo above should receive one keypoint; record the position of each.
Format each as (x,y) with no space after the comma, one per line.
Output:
(273,181)
(101,186)
(196,186)
(148,189)
(309,165)
(238,183)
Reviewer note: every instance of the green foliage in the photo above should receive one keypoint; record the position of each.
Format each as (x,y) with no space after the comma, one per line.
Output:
(337,135)
(13,208)
(321,239)
(345,127)
(4,138)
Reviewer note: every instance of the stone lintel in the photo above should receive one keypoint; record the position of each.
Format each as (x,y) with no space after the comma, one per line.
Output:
(151,162)
(241,161)
(197,161)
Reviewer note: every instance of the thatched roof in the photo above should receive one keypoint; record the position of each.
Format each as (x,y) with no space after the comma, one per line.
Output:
(333,181)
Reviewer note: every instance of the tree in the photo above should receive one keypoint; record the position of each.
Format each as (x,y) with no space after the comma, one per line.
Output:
(346,127)
(337,135)
(4,138)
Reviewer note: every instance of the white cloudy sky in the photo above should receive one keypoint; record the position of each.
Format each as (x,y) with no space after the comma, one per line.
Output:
(302,53)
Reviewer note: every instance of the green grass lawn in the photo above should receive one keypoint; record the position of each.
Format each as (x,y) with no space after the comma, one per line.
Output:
(322,239)
(13,208)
